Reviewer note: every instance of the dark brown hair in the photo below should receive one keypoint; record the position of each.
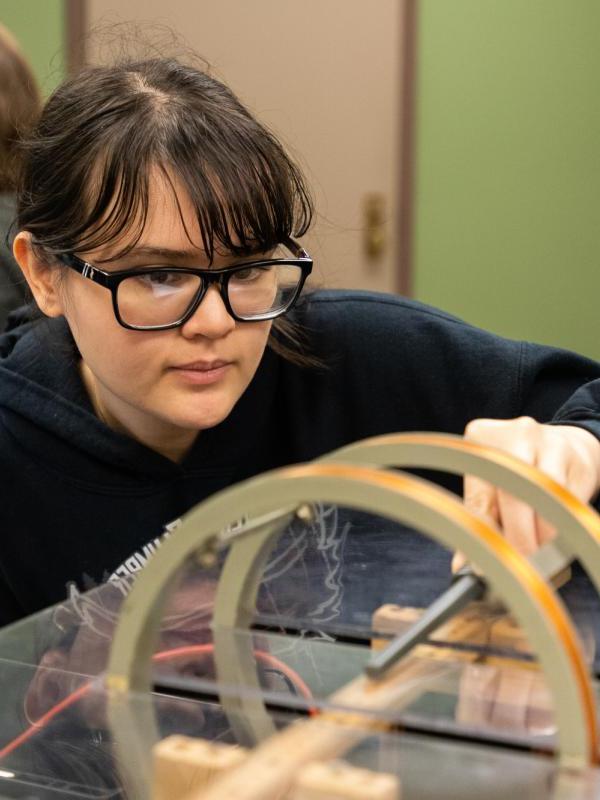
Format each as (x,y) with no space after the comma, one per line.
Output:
(85,180)
(20,106)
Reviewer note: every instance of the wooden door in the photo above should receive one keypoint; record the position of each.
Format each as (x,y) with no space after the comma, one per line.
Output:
(326,76)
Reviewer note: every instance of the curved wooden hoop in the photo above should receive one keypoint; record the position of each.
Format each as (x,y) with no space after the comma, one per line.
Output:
(399,497)
(577,523)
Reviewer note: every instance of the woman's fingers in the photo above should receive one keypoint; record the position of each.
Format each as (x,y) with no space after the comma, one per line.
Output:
(569,455)
(515,518)
(519,523)
(480,498)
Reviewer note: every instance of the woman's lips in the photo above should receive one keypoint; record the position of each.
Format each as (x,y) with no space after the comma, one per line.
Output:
(202,372)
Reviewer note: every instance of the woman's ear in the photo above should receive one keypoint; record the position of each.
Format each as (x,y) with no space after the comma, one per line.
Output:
(43,279)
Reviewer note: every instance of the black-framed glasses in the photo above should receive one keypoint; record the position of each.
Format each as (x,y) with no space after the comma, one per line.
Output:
(159,297)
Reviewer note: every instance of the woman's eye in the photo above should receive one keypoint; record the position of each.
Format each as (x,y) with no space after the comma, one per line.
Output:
(162,280)
(250,274)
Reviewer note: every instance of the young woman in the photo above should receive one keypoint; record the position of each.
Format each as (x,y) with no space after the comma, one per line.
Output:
(158,231)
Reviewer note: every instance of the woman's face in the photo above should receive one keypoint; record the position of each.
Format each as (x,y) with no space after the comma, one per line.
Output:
(162,387)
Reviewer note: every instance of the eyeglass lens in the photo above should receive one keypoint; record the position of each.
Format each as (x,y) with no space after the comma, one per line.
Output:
(162,297)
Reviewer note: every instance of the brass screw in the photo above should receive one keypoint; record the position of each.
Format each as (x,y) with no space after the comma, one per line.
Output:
(306,513)
(207,557)
(207,560)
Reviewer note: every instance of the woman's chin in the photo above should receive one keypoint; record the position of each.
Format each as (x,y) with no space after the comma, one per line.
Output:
(201,419)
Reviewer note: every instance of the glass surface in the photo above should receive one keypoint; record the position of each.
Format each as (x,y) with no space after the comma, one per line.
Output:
(71,754)
(475,709)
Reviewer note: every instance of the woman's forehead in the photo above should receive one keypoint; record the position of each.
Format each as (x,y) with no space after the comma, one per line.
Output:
(167,227)
(170,226)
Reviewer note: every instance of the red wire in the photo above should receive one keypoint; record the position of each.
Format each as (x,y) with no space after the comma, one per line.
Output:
(260,655)
(164,655)
(44,719)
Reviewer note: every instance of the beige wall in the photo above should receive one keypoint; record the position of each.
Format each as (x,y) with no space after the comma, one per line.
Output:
(325,75)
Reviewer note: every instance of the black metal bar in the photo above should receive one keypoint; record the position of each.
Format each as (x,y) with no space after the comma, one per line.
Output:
(466,588)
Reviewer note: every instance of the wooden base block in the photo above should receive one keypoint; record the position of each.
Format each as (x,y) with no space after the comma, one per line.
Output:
(496,691)
(336,780)
(183,764)
(475,625)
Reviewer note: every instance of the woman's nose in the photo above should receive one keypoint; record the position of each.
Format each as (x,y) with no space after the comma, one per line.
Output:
(211,318)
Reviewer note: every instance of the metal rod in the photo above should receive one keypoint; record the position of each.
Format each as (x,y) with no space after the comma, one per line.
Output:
(466,588)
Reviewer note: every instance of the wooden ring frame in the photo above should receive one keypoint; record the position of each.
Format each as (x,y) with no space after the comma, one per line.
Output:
(577,524)
(395,495)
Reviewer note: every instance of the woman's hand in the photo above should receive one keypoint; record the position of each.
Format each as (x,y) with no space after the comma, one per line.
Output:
(569,455)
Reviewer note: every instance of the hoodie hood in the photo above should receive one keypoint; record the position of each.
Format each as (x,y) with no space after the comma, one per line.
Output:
(45,406)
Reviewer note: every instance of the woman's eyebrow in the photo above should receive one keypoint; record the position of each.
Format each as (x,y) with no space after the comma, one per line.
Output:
(164,252)
(167,254)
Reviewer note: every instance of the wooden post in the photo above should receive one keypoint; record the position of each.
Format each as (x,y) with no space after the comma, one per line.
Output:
(337,780)
(183,764)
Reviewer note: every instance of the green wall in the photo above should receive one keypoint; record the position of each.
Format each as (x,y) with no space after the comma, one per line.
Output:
(39,25)
(508,166)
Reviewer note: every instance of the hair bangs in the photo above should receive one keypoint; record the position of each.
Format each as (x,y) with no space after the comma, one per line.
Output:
(248,194)
(111,187)
(118,204)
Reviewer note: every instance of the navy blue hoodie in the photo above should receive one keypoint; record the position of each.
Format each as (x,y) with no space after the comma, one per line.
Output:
(82,503)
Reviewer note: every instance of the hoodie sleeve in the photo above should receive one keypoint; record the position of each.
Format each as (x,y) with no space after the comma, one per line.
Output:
(582,409)
(394,364)
(549,378)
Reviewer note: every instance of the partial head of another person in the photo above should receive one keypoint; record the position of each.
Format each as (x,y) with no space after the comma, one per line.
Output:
(20,105)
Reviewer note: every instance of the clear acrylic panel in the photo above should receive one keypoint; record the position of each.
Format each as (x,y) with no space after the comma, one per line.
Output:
(480,713)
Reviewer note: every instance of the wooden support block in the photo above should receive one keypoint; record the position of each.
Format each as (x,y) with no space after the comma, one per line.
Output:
(336,780)
(475,626)
(470,626)
(183,764)
(497,691)
(391,618)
